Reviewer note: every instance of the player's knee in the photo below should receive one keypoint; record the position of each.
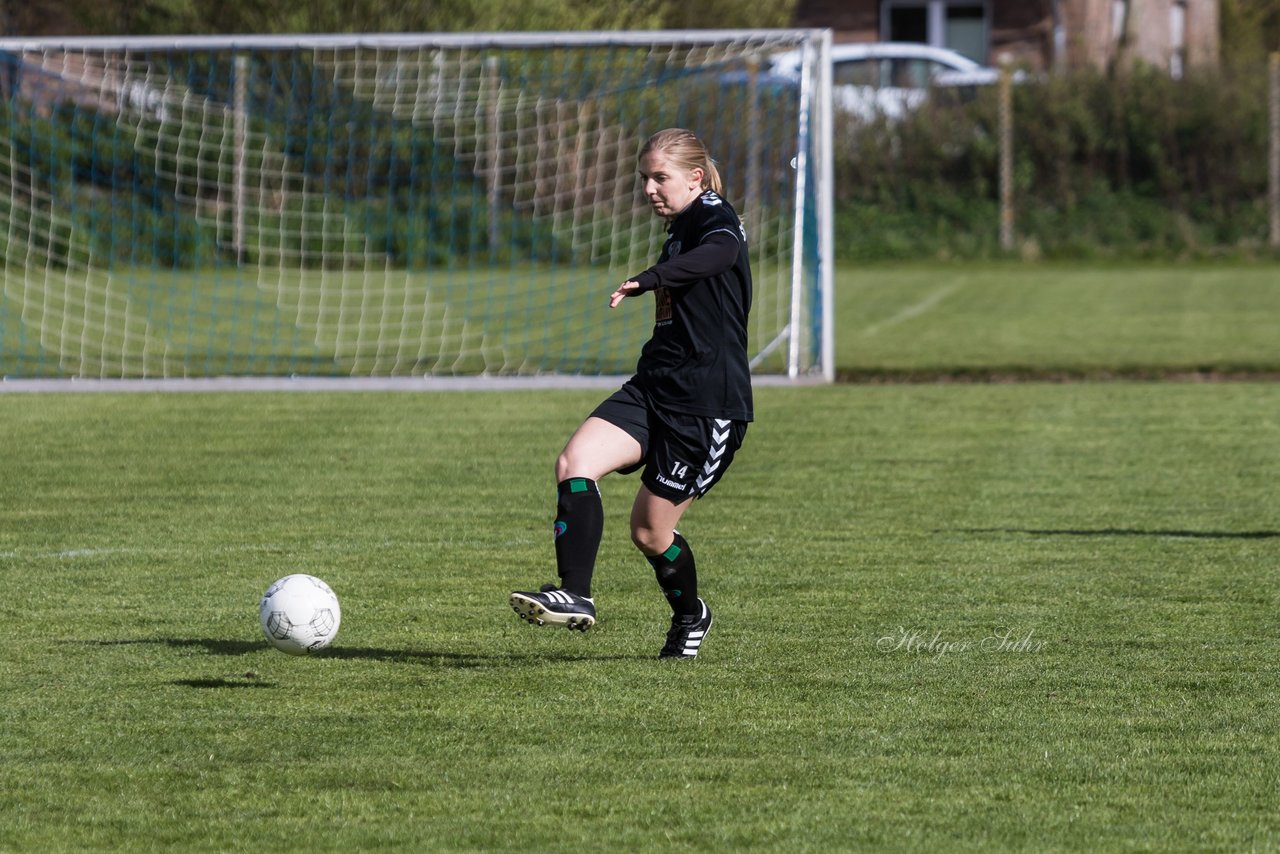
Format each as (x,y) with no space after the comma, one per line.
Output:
(650,540)
(564,467)
(573,462)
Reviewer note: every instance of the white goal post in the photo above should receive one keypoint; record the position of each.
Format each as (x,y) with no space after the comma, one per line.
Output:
(390,206)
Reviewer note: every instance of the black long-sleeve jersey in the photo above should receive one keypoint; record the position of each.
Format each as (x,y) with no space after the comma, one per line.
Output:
(696,361)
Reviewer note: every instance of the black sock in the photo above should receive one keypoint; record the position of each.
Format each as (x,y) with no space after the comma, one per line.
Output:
(579,523)
(677,576)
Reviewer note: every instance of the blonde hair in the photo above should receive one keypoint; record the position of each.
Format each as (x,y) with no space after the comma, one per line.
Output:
(684,149)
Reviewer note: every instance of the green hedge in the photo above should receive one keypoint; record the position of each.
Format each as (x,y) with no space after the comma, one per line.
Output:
(1134,164)
(1106,165)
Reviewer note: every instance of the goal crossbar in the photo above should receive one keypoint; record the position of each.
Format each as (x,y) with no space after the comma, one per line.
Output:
(548,39)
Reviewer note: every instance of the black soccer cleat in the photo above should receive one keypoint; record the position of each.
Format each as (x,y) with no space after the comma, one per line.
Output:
(687,634)
(555,607)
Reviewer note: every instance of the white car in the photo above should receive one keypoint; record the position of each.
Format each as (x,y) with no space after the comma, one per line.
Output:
(889,79)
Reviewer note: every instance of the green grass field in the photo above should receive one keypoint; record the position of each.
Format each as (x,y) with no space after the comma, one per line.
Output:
(1073,320)
(906,322)
(1025,616)
(263,321)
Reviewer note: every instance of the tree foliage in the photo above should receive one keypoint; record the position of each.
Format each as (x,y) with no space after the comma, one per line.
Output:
(1137,164)
(1250,29)
(160,17)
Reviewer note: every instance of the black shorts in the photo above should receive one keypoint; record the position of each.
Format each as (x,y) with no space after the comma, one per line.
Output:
(683,455)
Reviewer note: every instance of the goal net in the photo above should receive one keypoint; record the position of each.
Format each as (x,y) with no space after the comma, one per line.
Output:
(384,206)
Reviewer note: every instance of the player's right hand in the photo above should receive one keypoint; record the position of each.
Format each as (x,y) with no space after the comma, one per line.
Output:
(626,289)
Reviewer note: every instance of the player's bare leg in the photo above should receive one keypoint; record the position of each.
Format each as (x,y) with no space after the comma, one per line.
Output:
(654,520)
(595,449)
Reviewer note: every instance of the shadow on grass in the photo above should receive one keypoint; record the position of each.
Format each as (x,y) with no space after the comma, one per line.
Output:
(1125,532)
(247,681)
(224,647)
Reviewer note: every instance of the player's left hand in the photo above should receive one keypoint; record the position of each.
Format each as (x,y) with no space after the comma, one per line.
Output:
(626,289)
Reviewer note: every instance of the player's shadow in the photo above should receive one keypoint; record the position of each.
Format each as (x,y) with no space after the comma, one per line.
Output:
(437,658)
(210,645)
(459,659)
(1127,532)
(249,680)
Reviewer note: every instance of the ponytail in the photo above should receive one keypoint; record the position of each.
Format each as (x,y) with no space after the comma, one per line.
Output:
(711,177)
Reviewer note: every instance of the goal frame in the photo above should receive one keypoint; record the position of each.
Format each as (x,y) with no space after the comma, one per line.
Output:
(814,186)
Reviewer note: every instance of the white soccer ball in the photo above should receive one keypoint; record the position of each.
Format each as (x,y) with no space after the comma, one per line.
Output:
(299,614)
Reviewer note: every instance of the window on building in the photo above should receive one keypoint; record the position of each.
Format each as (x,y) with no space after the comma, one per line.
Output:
(908,23)
(1119,19)
(961,25)
(966,31)
(1177,39)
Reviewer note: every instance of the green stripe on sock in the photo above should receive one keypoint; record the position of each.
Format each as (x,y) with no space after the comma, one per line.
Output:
(672,553)
(578,484)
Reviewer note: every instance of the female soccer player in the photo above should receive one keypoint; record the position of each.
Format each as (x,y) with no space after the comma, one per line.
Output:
(684,413)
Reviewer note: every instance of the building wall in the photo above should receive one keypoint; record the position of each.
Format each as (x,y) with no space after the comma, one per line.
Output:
(850,20)
(1023,33)
(1023,30)
(1088,25)
(1147,33)
(1204,34)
